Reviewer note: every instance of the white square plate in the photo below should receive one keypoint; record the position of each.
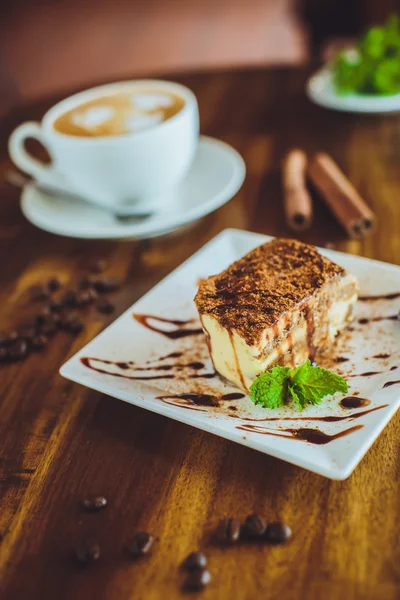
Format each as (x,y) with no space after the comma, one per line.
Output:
(153,363)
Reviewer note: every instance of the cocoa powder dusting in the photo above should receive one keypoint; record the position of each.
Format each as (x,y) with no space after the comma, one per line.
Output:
(257,289)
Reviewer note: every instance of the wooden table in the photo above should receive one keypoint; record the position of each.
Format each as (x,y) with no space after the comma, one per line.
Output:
(60,441)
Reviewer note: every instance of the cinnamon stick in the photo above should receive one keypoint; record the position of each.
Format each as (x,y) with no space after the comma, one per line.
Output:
(297,200)
(341,196)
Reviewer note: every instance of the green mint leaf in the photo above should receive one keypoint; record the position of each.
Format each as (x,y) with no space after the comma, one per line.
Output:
(297,396)
(270,388)
(311,384)
(306,384)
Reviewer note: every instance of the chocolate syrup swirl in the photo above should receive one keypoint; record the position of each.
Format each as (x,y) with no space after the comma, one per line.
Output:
(326,419)
(201,399)
(173,334)
(303,434)
(124,366)
(376,319)
(383,297)
(390,383)
(86,361)
(354,402)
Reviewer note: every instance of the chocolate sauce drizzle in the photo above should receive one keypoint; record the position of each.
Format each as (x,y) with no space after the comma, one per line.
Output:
(201,399)
(326,419)
(390,383)
(304,434)
(354,402)
(383,297)
(173,334)
(381,356)
(124,366)
(376,319)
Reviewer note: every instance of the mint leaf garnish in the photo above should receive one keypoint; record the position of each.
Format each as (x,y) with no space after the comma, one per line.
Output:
(306,384)
(270,388)
(373,65)
(311,384)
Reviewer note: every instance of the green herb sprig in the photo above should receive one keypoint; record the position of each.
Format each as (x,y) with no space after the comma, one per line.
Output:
(373,65)
(306,384)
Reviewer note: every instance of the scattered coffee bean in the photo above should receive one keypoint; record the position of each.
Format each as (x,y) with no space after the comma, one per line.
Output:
(3,354)
(99,266)
(197,580)
(3,339)
(39,342)
(55,306)
(278,533)
(39,292)
(43,316)
(70,298)
(195,560)
(92,294)
(254,526)
(48,324)
(54,284)
(105,306)
(83,299)
(85,283)
(228,531)
(18,350)
(94,503)
(27,333)
(141,544)
(106,284)
(87,552)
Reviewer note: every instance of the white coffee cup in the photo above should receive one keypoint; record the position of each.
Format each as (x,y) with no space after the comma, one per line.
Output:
(135,172)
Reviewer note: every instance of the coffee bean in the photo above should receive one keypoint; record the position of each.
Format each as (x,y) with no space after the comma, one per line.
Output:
(54,284)
(39,292)
(39,342)
(277,533)
(228,531)
(99,266)
(3,339)
(105,306)
(92,294)
(85,283)
(70,298)
(48,324)
(76,326)
(106,284)
(195,560)
(3,354)
(27,333)
(55,306)
(83,299)
(43,316)
(94,503)
(18,351)
(87,552)
(198,579)
(254,526)
(141,544)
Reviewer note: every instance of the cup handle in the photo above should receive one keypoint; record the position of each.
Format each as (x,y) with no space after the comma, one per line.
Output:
(22,159)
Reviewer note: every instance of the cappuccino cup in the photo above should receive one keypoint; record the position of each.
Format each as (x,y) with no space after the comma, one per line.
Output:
(124,146)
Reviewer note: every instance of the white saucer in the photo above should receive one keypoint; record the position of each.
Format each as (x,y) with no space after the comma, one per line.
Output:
(321,90)
(217,174)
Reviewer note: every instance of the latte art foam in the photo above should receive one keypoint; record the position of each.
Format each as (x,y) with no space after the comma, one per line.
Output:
(120,113)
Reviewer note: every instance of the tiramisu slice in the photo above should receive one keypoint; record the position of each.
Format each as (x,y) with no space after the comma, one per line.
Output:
(276,305)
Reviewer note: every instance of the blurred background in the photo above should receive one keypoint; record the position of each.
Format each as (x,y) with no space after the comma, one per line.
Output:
(47,46)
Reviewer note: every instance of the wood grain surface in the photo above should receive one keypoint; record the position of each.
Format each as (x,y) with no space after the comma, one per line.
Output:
(60,441)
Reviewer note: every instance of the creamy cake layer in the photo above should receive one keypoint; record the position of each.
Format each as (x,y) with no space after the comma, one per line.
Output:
(277,305)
